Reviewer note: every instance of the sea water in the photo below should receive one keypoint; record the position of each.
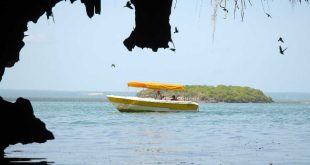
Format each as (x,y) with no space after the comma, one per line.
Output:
(94,132)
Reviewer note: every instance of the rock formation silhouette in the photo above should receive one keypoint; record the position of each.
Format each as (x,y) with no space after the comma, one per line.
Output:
(17,121)
(152,25)
(19,125)
(15,15)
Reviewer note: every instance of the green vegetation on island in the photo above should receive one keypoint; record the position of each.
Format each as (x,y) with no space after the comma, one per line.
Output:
(220,93)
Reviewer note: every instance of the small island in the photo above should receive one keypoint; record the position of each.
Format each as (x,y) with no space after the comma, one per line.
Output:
(213,94)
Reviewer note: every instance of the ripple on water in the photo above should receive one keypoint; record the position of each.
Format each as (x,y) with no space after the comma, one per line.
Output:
(95,133)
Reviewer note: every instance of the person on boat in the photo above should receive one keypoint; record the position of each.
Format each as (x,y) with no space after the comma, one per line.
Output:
(174,98)
(159,95)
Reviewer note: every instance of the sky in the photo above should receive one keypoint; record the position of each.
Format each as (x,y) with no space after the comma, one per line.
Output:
(75,53)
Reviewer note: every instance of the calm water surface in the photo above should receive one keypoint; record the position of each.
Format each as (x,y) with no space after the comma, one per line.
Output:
(95,133)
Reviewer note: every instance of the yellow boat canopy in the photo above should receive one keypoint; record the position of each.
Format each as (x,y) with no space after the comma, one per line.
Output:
(153,85)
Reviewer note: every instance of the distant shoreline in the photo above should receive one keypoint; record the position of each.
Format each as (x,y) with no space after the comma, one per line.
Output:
(89,96)
(214,94)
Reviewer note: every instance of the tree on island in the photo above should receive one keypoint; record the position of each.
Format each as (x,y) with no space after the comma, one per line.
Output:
(220,93)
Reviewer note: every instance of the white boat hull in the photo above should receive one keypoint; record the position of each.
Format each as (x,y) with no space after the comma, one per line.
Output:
(136,104)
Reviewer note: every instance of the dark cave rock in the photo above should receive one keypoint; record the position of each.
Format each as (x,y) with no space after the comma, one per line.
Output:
(92,6)
(152,25)
(17,121)
(15,15)
(19,125)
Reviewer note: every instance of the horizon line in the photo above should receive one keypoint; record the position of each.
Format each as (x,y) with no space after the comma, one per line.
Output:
(62,90)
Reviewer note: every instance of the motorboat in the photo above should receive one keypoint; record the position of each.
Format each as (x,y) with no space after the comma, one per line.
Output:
(139,104)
